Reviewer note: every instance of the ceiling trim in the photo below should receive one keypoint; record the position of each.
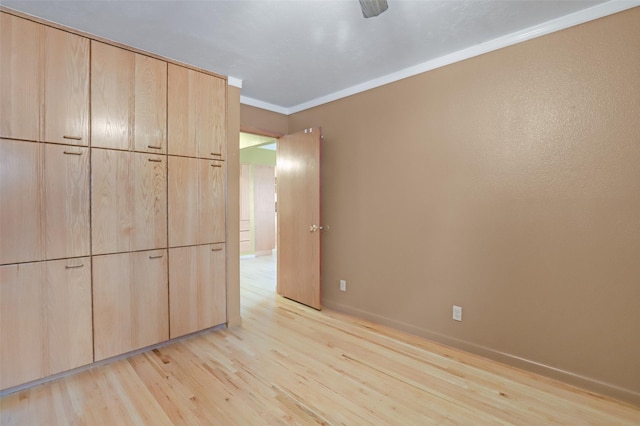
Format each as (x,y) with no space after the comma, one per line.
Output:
(235,82)
(264,105)
(573,19)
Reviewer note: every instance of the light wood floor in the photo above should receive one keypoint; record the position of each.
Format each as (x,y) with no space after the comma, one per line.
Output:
(289,364)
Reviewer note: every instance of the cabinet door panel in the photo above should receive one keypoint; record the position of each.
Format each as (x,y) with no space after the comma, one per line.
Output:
(66,222)
(21,202)
(181,114)
(212,119)
(183,201)
(21,327)
(20,78)
(213,296)
(150,202)
(111,201)
(66,87)
(150,130)
(112,96)
(149,293)
(211,202)
(67,309)
(112,305)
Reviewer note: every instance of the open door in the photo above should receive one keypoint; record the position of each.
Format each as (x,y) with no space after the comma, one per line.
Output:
(298,190)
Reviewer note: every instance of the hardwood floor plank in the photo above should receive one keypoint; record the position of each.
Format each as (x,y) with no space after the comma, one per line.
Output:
(292,365)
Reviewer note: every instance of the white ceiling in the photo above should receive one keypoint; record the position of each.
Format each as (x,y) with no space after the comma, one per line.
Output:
(294,54)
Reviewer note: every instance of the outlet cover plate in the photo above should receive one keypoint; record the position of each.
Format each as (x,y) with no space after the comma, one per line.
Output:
(457,313)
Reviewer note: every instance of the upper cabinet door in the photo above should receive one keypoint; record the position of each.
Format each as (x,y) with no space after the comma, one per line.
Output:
(182,111)
(20,77)
(112,96)
(212,117)
(196,114)
(66,88)
(150,130)
(66,201)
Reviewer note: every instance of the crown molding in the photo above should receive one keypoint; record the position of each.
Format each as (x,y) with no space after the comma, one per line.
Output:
(564,22)
(235,82)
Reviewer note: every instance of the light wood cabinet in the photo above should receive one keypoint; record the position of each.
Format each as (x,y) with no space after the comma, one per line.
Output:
(66,88)
(197,288)
(129,301)
(196,201)
(128,100)
(66,201)
(20,77)
(45,319)
(196,114)
(20,209)
(129,201)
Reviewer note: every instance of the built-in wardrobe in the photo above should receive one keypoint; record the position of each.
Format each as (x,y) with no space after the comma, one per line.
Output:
(112,200)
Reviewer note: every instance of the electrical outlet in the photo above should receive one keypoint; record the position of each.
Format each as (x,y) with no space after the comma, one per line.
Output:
(343,285)
(457,313)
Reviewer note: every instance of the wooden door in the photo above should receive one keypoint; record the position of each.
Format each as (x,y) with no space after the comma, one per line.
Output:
(66,88)
(197,288)
(21,331)
(211,116)
(20,209)
(245,208)
(183,201)
(20,78)
(112,96)
(66,201)
(298,164)
(149,202)
(67,314)
(129,301)
(182,105)
(111,201)
(211,202)
(150,118)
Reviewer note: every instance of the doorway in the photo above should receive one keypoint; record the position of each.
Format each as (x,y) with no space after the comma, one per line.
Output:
(258,215)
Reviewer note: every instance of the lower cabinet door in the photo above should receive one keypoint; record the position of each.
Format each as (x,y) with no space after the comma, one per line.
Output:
(45,319)
(129,302)
(197,288)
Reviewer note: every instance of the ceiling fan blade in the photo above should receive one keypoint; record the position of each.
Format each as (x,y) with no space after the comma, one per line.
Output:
(371,8)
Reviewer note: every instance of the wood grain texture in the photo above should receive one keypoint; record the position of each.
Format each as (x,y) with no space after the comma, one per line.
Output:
(211,112)
(298,163)
(66,88)
(67,314)
(197,288)
(112,96)
(181,111)
(20,209)
(66,201)
(111,201)
(21,331)
(289,364)
(45,319)
(211,201)
(20,78)
(129,302)
(150,118)
(183,201)
(149,202)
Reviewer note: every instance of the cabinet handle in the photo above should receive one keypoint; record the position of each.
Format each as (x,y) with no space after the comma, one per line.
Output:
(72,153)
(217,154)
(216,165)
(157,256)
(216,249)
(155,160)
(74,267)
(154,146)
(75,138)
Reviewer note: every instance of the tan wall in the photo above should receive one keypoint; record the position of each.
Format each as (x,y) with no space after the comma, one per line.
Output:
(508,184)
(260,121)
